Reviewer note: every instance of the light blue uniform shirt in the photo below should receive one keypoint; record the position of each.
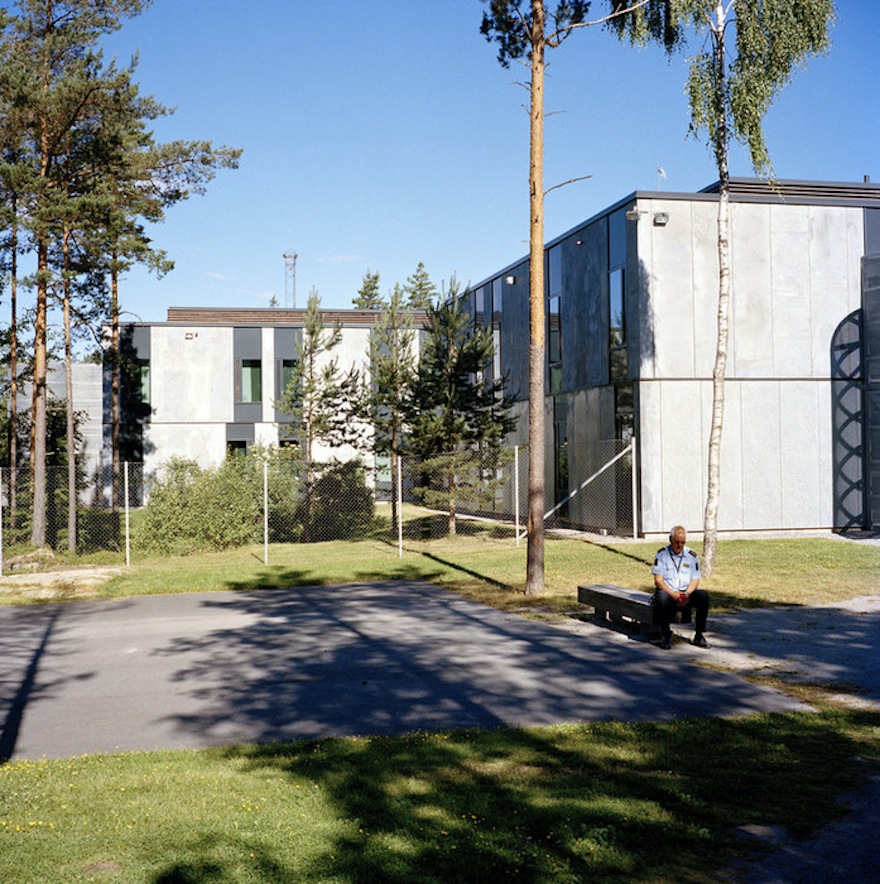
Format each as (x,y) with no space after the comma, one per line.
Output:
(677,571)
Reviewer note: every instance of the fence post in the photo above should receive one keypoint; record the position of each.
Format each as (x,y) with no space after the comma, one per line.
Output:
(399,507)
(127,535)
(516,489)
(635,490)
(1,516)
(265,512)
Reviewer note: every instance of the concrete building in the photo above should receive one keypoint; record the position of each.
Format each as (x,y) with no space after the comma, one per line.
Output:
(631,333)
(206,381)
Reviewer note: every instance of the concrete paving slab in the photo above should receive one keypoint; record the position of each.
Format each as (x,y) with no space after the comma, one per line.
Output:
(265,666)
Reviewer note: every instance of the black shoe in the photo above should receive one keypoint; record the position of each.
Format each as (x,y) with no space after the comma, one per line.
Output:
(700,641)
(666,644)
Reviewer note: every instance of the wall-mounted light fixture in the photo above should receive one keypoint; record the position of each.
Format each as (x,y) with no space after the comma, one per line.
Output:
(634,214)
(661,219)
(510,280)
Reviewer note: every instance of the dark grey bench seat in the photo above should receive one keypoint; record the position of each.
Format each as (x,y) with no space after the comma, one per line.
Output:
(617,603)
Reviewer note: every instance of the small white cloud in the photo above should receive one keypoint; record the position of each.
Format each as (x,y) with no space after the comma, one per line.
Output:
(219,276)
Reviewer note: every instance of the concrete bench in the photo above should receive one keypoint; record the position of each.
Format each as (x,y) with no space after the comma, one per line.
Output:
(616,603)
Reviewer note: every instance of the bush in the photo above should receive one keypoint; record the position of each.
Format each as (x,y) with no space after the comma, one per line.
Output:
(194,509)
(342,505)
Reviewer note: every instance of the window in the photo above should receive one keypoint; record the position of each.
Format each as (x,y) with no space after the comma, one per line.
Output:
(554,270)
(286,370)
(143,370)
(497,290)
(616,324)
(554,344)
(251,381)
(237,448)
(560,444)
(554,318)
(618,360)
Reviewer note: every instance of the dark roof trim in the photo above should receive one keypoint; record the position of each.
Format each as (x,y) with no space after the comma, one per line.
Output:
(742,190)
(836,193)
(272,317)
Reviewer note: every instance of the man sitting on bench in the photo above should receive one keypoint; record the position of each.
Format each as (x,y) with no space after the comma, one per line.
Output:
(676,580)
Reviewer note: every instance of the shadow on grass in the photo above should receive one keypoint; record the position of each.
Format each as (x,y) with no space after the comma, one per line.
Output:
(435,526)
(586,802)
(469,571)
(619,552)
(288,577)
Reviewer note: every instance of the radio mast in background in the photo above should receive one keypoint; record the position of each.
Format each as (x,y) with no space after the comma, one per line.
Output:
(290,279)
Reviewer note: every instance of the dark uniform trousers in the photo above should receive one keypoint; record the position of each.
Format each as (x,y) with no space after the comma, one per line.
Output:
(665,607)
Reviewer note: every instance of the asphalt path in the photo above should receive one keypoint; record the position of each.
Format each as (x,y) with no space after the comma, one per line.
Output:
(189,671)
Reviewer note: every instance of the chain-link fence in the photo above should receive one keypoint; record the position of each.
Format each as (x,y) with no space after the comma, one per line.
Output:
(271,497)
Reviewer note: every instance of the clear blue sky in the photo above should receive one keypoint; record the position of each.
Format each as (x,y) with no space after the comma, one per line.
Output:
(381,133)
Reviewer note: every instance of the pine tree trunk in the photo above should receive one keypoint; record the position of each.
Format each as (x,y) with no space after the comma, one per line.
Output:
(535,544)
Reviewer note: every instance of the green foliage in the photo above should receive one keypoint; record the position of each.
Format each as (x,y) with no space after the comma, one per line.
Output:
(368,297)
(420,291)
(742,63)
(192,508)
(511,24)
(392,366)
(202,509)
(342,504)
(284,469)
(81,172)
(318,396)
(459,418)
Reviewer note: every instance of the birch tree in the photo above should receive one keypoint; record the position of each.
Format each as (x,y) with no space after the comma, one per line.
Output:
(749,52)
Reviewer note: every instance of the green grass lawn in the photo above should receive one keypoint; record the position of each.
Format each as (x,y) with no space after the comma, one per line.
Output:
(580,802)
(484,562)
(597,802)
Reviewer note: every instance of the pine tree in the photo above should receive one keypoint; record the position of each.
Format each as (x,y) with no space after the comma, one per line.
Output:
(368,297)
(385,393)
(83,160)
(459,419)
(419,289)
(318,398)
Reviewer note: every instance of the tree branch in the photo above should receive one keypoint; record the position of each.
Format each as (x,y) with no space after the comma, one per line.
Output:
(611,16)
(565,183)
